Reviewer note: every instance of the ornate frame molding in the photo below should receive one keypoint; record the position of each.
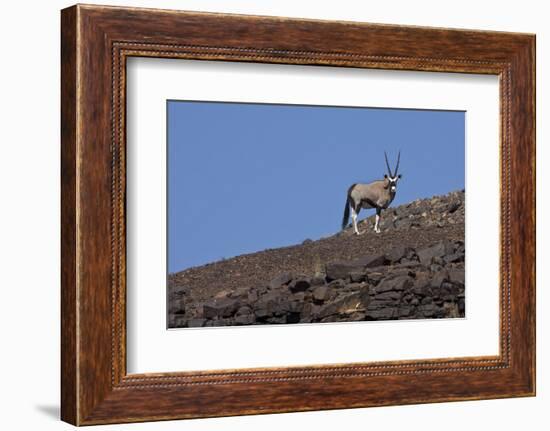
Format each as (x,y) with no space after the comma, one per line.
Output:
(96,41)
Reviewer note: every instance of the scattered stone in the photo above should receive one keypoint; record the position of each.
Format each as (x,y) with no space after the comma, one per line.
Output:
(455,257)
(196,323)
(397,283)
(381,314)
(340,270)
(241,292)
(374,277)
(299,284)
(402,283)
(282,279)
(317,280)
(177,306)
(220,307)
(343,269)
(337,284)
(320,293)
(453,206)
(245,309)
(346,304)
(392,294)
(245,319)
(371,261)
(252,296)
(438,278)
(440,249)
(358,276)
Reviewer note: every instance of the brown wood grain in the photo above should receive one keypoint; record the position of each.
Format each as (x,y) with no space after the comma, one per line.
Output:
(69,367)
(96,41)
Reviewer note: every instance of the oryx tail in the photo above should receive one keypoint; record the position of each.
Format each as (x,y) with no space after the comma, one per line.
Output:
(345,220)
(349,202)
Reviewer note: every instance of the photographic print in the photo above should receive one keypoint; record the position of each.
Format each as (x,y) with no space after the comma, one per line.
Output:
(298,214)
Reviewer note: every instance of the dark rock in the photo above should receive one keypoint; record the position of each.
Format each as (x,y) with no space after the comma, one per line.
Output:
(371,261)
(270,303)
(453,206)
(340,270)
(309,310)
(299,296)
(263,313)
(196,323)
(461,306)
(435,268)
(408,263)
(346,304)
(180,321)
(380,314)
(440,249)
(438,278)
(405,311)
(252,296)
(440,312)
(357,276)
(357,316)
(396,271)
(291,307)
(293,318)
(218,322)
(455,257)
(317,281)
(299,284)
(320,293)
(241,292)
(422,279)
(353,287)
(245,309)
(403,223)
(343,269)
(245,319)
(220,307)
(438,261)
(281,280)
(328,319)
(337,284)
(277,320)
(428,310)
(177,306)
(450,288)
(392,294)
(397,283)
(374,277)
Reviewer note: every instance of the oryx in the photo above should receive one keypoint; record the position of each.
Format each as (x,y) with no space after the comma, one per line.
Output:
(378,194)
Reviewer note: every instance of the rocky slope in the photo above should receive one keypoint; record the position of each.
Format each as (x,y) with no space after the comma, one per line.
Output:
(413,269)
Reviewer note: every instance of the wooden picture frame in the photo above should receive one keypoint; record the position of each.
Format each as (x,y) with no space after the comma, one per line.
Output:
(95,43)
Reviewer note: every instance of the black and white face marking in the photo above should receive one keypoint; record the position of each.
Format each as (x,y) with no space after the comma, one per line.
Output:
(392,180)
(392,177)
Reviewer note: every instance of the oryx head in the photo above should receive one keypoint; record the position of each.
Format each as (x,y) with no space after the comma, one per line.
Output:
(392,178)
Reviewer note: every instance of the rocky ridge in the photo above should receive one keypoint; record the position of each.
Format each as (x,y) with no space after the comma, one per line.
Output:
(413,269)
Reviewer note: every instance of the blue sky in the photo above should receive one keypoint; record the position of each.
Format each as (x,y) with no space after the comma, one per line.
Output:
(246,177)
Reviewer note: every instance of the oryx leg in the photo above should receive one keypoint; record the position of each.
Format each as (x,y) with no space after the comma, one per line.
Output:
(354,219)
(376,227)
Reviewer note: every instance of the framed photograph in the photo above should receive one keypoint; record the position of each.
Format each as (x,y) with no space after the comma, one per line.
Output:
(319,214)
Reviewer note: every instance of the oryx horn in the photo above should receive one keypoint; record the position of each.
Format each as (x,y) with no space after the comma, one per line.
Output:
(388,164)
(396,166)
